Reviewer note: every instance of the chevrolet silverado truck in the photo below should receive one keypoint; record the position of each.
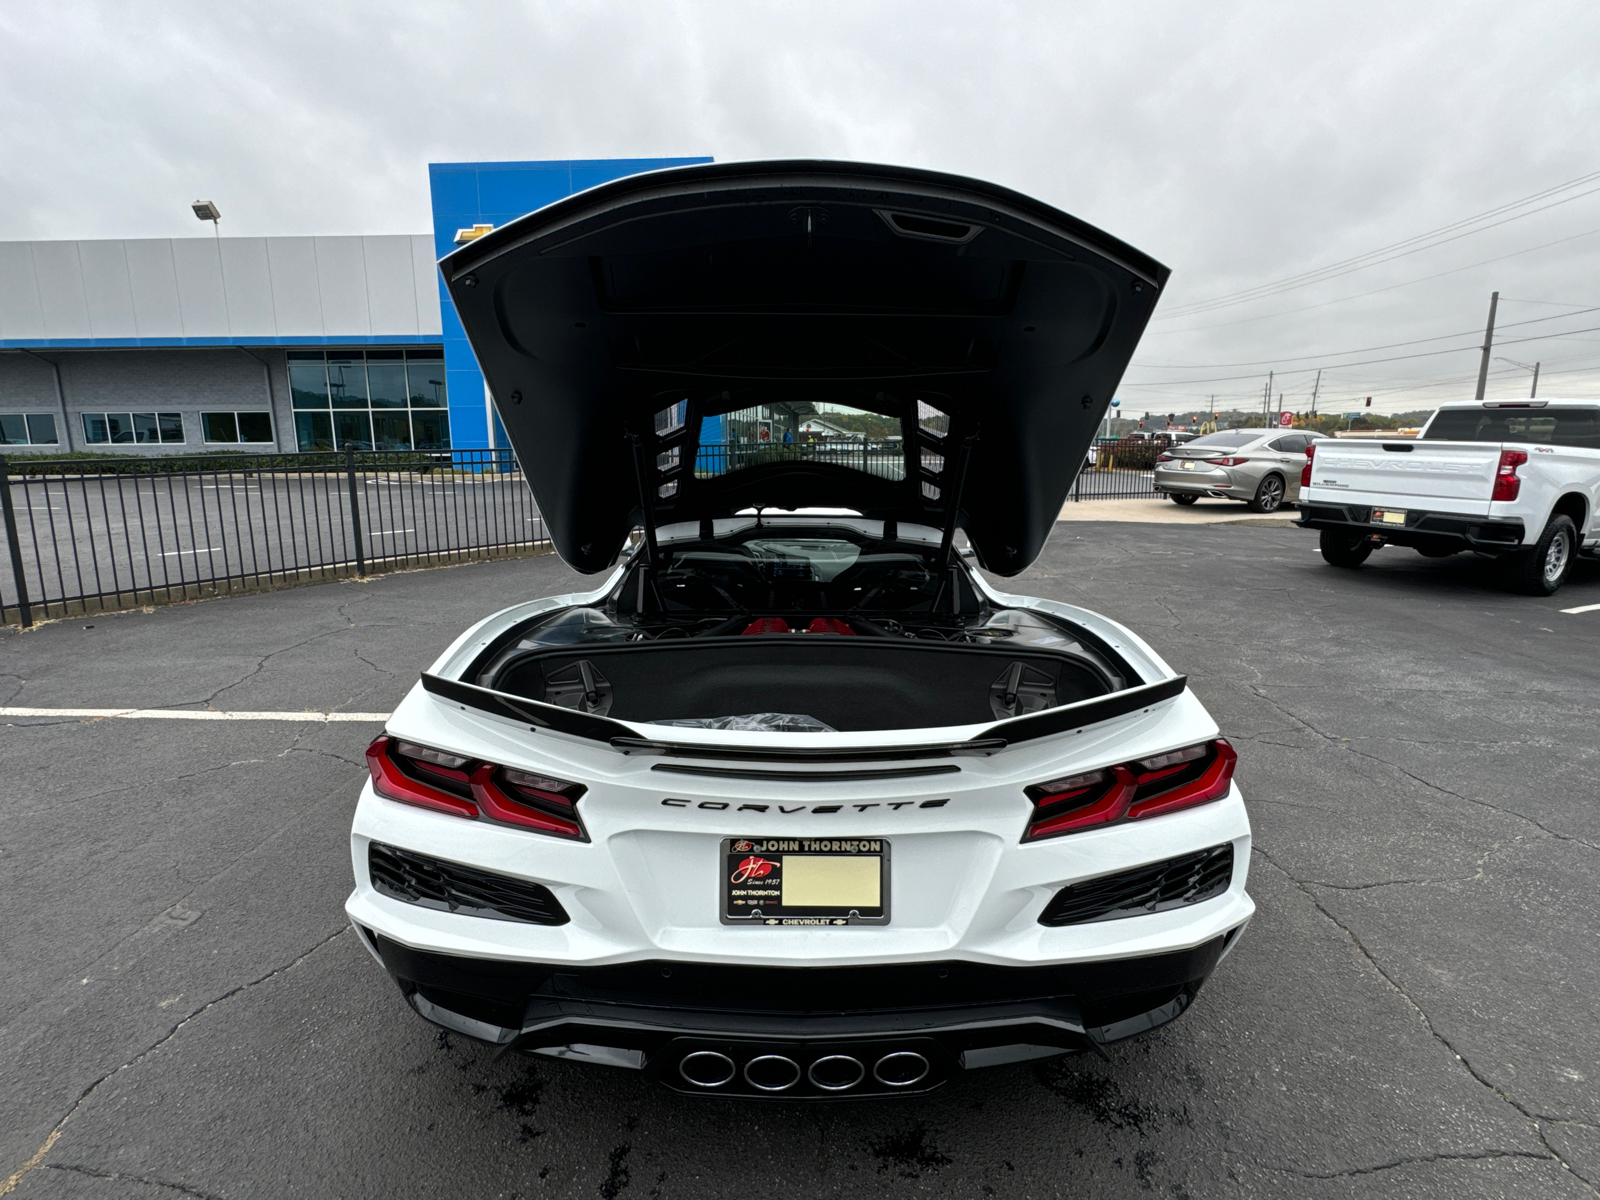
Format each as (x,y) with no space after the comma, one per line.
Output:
(1517,479)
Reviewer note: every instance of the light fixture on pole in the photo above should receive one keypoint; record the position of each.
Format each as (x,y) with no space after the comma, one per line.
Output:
(1525,367)
(207,210)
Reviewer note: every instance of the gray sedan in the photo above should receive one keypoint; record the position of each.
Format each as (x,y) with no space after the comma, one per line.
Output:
(1259,466)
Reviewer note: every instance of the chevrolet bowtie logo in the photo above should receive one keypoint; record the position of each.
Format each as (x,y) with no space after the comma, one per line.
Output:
(463,236)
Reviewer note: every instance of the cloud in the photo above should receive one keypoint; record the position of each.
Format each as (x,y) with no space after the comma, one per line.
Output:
(1240,143)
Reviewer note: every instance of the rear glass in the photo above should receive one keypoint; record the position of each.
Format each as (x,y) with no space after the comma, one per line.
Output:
(1230,439)
(1541,426)
(798,432)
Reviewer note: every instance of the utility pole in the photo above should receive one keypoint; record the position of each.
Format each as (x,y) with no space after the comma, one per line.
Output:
(1266,397)
(1315,388)
(1488,343)
(1535,391)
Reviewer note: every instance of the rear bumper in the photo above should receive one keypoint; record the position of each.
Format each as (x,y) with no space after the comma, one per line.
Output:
(1217,484)
(655,1015)
(1490,535)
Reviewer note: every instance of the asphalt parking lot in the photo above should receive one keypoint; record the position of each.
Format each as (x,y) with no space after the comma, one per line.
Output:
(1412,1013)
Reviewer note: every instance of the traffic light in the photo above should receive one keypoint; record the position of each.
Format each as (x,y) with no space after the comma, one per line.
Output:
(1369,402)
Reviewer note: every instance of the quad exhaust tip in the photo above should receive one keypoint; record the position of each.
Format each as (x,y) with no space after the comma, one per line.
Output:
(706,1068)
(901,1069)
(710,1069)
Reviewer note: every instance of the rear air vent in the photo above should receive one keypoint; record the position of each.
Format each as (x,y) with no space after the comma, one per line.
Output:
(1155,887)
(451,887)
(932,229)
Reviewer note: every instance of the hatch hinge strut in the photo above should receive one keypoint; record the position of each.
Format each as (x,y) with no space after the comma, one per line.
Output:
(963,459)
(641,473)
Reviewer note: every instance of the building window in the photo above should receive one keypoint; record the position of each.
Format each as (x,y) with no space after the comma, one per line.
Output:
(236,426)
(140,429)
(28,429)
(376,399)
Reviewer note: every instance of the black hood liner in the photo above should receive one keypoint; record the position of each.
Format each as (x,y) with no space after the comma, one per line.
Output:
(613,324)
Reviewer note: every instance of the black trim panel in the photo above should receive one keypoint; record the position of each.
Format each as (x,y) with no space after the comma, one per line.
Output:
(808,776)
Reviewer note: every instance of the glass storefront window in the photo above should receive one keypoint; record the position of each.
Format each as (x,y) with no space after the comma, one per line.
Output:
(386,378)
(391,431)
(308,379)
(27,429)
(347,382)
(431,430)
(236,427)
(352,427)
(313,430)
(360,396)
(255,427)
(131,428)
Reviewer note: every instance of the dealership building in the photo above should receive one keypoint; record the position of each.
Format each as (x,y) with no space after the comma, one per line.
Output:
(275,344)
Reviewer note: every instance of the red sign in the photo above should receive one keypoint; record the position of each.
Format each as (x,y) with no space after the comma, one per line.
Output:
(752,868)
(1286,419)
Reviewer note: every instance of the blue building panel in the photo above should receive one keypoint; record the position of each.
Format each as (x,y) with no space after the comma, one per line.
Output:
(493,193)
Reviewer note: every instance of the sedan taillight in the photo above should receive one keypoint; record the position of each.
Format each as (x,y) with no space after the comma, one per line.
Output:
(464,787)
(1147,787)
(1305,471)
(1164,457)
(1231,461)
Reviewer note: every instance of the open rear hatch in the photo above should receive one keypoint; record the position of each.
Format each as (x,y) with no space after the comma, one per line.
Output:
(684,344)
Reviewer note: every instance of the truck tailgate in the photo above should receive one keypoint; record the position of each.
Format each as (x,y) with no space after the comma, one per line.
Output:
(1461,473)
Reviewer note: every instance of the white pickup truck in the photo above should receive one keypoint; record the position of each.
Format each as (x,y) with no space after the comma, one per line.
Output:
(1519,479)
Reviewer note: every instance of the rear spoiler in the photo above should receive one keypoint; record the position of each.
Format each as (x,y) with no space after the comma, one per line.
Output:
(552,717)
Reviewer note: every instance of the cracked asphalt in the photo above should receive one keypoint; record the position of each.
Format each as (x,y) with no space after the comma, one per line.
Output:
(1412,1013)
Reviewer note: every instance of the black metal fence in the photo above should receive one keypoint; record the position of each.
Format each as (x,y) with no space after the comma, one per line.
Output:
(1113,483)
(88,535)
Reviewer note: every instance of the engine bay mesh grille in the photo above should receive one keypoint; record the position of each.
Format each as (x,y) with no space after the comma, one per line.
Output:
(451,887)
(1154,887)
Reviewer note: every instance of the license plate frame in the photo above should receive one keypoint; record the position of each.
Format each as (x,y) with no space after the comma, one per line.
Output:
(1186,465)
(1387,516)
(754,898)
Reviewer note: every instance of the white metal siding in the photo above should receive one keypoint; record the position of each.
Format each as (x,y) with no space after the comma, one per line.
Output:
(279,288)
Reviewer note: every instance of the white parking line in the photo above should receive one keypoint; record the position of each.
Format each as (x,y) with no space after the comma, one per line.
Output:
(190,714)
(1583,608)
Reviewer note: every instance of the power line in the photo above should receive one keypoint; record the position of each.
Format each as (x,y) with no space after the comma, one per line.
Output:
(1400,249)
(1265,362)
(1285,312)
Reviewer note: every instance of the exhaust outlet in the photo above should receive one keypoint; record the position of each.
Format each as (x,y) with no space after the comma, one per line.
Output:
(706,1068)
(836,1072)
(772,1073)
(901,1069)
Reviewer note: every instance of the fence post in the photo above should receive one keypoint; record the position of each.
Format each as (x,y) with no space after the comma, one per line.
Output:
(355,506)
(14,545)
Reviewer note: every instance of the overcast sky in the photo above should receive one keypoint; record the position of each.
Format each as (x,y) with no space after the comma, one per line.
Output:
(1240,143)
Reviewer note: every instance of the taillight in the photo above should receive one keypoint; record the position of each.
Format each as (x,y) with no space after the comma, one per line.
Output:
(464,787)
(1507,484)
(531,801)
(1163,457)
(1148,787)
(1232,461)
(413,779)
(1305,471)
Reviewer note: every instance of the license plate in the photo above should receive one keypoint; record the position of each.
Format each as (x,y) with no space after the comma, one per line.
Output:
(805,881)
(1388,516)
(1187,465)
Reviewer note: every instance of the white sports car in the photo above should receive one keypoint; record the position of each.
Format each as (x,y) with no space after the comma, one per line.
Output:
(796,804)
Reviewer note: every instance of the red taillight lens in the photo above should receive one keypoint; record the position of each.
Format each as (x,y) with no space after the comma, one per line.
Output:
(1163,457)
(1149,787)
(1507,484)
(1232,461)
(405,779)
(1305,471)
(462,787)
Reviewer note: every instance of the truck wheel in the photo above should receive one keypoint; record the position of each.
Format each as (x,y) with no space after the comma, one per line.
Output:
(1544,568)
(1180,498)
(1343,549)
(1269,494)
